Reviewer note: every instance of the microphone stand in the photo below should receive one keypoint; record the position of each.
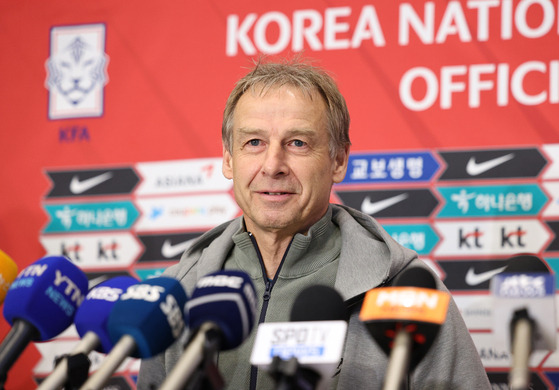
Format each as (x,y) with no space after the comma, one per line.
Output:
(522,326)
(289,375)
(199,370)
(13,345)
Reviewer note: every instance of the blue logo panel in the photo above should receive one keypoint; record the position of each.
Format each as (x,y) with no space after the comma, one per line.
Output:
(492,201)
(393,167)
(420,238)
(148,273)
(78,217)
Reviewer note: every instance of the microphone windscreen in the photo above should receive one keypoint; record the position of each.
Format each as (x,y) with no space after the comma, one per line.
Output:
(526,263)
(412,304)
(8,272)
(318,303)
(228,299)
(93,313)
(46,294)
(152,313)
(415,277)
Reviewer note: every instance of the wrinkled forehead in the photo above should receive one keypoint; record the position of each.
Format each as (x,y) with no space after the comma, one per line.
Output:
(310,92)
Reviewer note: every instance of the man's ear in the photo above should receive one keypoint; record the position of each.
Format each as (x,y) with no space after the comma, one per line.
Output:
(340,164)
(227,164)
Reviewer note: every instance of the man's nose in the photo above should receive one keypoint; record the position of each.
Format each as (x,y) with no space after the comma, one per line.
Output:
(275,161)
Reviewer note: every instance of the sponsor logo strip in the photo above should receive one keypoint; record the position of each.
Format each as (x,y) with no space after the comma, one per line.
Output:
(391,203)
(463,275)
(182,176)
(552,209)
(111,181)
(98,216)
(381,168)
(492,164)
(165,247)
(552,171)
(489,238)
(491,201)
(92,251)
(185,212)
(418,237)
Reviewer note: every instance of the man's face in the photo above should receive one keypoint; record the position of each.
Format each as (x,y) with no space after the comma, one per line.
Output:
(280,161)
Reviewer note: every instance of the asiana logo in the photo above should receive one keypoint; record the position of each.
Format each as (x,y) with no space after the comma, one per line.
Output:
(76,71)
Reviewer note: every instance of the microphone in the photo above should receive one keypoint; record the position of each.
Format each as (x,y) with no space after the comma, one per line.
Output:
(91,323)
(404,320)
(304,353)
(40,304)
(143,322)
(222,312)
(524,313)
(8,272)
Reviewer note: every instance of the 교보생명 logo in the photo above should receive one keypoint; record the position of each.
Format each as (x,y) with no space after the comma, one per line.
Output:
(76,71)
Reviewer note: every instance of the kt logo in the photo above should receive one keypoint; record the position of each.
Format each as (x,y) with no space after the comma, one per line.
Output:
(508,238)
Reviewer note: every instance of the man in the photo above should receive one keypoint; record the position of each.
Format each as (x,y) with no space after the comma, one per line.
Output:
(285,143)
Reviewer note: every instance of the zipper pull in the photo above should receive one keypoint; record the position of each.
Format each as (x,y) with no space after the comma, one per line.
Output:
(266,296)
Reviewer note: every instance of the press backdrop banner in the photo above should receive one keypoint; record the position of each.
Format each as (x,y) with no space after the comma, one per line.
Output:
(111,117)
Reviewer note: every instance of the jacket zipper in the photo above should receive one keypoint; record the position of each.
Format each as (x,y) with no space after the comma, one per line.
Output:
(266,297)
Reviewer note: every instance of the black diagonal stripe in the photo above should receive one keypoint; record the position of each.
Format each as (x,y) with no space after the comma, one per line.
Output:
(153,244)
(525,163)
(119,181)
(412,203)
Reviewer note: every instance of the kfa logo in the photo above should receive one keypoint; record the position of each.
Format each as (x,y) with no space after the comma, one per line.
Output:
(509,238)
(76,71)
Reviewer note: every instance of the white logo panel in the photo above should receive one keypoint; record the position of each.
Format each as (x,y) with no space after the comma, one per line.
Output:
(496,237)
(552,209)
(182,176)
(76,71)
(493,356)
(476,310)
(94,251)
(185,212)
(552,171)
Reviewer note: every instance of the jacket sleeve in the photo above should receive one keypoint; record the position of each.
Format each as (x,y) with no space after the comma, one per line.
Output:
(152,373)
(453,361)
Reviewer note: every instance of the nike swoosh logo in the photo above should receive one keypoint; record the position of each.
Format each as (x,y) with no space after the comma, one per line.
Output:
(474,168)
(370,208)
(78,186)
(169,250)
(473,279)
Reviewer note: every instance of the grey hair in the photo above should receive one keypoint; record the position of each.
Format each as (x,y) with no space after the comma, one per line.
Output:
(307,78)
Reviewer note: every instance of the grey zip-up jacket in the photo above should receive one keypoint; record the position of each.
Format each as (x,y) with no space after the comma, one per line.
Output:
(351,252)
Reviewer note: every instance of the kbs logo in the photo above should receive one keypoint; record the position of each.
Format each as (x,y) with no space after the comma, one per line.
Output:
(76,71)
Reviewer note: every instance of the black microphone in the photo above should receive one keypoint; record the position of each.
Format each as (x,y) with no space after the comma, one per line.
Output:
(304,353)
(524,313)
(222,313)
(40,304)
(404,320)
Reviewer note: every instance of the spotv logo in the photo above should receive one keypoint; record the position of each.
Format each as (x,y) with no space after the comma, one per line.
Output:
(76,71)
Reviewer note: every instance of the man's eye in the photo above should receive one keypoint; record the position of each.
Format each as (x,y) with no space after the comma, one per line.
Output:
(298,143)
(254,142)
